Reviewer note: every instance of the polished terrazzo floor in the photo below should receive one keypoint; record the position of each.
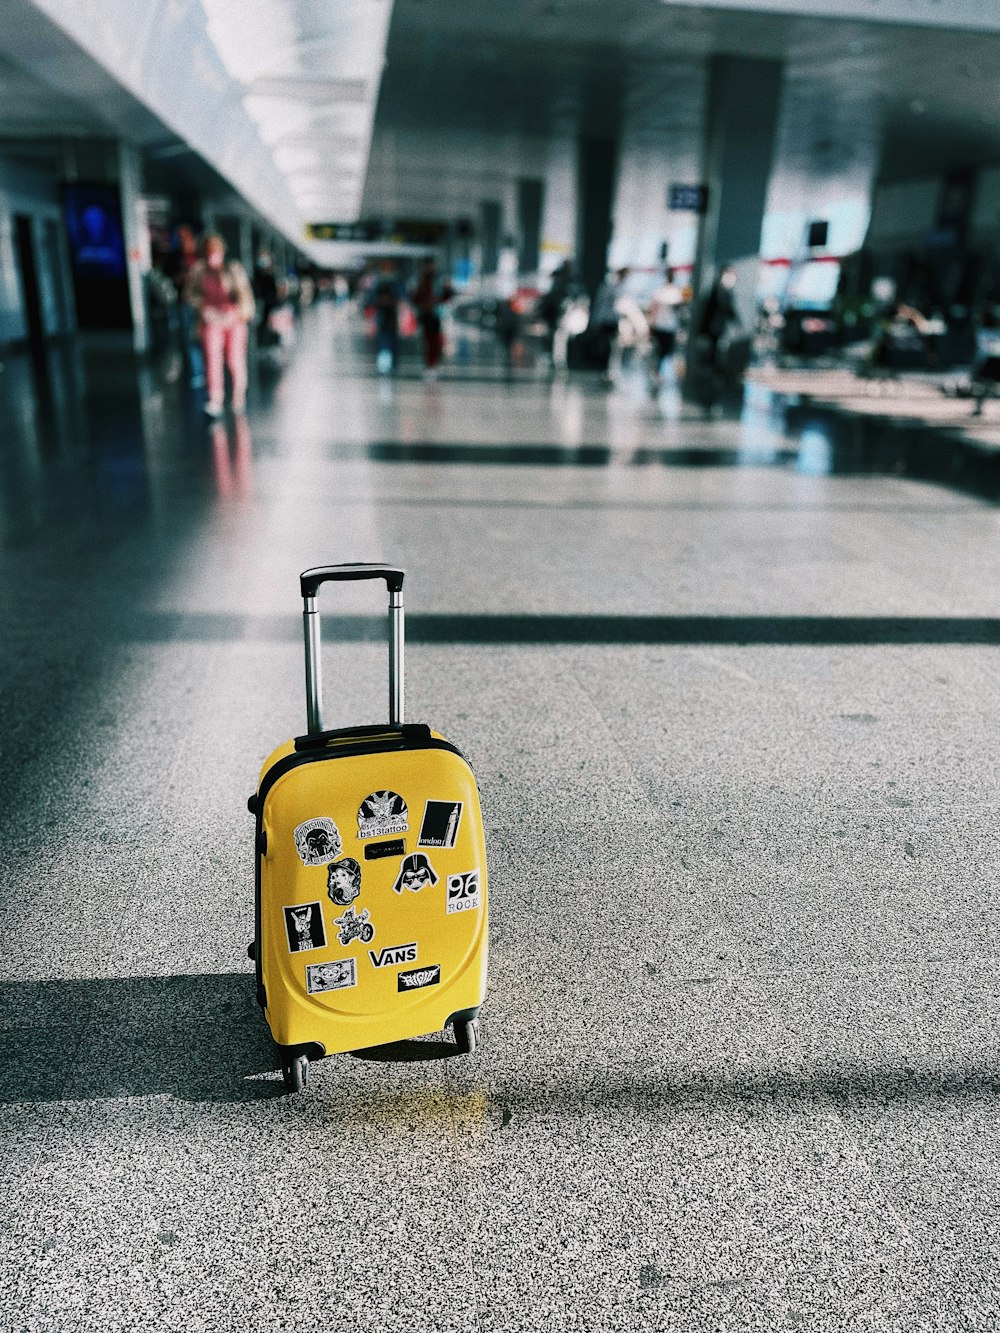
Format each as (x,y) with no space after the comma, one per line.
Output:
(731,685)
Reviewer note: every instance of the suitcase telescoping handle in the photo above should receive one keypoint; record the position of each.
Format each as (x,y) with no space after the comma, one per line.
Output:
(310,582)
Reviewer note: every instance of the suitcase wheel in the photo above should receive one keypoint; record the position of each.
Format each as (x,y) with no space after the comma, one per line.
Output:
(295,1072)
(466,1035)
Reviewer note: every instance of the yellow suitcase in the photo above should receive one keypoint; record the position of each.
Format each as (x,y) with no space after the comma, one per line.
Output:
(371,894)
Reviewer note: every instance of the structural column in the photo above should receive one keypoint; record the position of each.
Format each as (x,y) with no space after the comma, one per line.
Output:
(742,115)
(136,244)
(597,170)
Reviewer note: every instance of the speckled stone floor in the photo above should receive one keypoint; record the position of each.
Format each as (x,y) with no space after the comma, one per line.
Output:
(731,684)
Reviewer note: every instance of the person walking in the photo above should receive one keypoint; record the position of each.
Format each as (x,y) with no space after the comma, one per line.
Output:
(428,299)
(219,291)
(664,324)
(604,316)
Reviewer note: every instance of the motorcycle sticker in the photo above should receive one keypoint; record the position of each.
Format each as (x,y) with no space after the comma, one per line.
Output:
(393,955)
(343,881)
(440,826)
(376,850)
(463,892)
(317,841)
(418,978)
(382,814)
(355,927)
(339,975)
(304,927)
(415,873)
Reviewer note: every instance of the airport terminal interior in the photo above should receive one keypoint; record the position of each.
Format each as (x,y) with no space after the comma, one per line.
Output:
(659,344)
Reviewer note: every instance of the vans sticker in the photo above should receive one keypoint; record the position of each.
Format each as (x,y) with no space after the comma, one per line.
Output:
(355,927)
(339,975)
(440,826)
(343,881)
(418,978)
(463,892)
(415,873)
(382,814)
(393,955)
(304,927)
(376,850)
(317,841)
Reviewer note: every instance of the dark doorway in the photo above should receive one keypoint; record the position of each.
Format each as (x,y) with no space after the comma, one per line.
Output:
(28,271)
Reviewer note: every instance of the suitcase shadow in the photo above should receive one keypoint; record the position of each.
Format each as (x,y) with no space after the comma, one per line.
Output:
(408,1052)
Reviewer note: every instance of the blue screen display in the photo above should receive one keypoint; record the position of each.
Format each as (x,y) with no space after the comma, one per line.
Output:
(94,227)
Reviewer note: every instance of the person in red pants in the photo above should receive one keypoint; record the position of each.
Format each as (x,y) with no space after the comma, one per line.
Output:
(220,291)
(429,298)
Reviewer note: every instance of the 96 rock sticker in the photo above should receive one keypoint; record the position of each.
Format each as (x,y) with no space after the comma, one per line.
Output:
(463,892)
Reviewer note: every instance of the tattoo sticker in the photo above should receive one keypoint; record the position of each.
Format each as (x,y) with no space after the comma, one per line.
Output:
(339,975)
(418,978)
(355,927)
(393,955)
(343,881)
(304,927)
(463,892)
(375,851)
(317,841)
(415,873)
(440,826)
(382,814)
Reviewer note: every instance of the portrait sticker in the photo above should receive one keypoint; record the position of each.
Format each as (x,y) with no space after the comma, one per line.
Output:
(463,892)
(317,841)
(343,881)
(418,978)
(339,975)
(375,851)
(415,873)
(393,955)
(440,826)
(382,814)
(355,927)
(304,927)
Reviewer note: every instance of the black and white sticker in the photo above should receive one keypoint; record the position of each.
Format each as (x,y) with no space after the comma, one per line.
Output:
(382,814)
(415,873)
(304,927)
(375,851)
(339,975)
(463,892)
(317,841)
(419,978)
(440,826)
(393,955)
(343,881)
(355,927)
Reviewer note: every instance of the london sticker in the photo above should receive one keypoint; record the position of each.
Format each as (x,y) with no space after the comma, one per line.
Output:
(440,826)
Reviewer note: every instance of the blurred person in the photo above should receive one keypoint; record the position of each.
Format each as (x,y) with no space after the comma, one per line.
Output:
(181,259)
(664,323)
(604,315)
(385,296)
(429,298)
(265,286)
(717,315)
(219,291)
(553,304)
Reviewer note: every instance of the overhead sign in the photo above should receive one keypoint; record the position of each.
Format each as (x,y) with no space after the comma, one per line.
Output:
(396,231)
(687,198)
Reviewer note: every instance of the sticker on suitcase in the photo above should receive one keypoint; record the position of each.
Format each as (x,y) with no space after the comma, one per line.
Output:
(415,873)
(418,978)
(343,881)
(331,976)
(382,814)
(355,927)
(393,955)
(375,851)
(440,826)
(463,892)
(304,927)
(317,841)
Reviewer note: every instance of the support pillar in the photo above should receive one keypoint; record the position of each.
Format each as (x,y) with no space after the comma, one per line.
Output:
(136,243)
(742,116)
(530,193)
(598,166)
(489,235)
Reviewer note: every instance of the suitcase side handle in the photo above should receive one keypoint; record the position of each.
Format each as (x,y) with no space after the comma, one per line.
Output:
(309,582)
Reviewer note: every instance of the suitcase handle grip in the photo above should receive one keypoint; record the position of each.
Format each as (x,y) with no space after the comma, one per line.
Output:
(310,581)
